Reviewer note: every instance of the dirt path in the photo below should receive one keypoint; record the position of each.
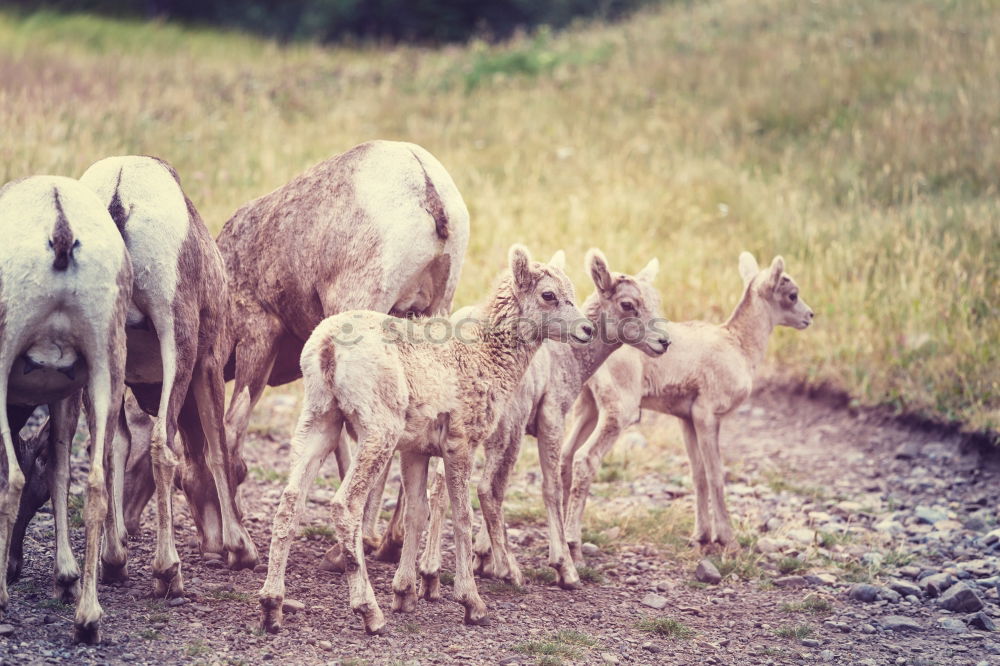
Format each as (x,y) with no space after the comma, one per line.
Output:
(831,505)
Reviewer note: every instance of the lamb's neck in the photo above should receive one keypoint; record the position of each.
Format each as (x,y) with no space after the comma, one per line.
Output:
(750,324)
(503,350)
(590,356)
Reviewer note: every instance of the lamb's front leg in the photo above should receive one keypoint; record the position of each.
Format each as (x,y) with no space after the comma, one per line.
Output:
(550,433)
(458,470)
(496,559)
(315,436)
(404,584)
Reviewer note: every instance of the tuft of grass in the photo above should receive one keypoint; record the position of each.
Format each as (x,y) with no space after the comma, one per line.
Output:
(320,532)
(797,632)
(411,628)
(504,587)
(778,483)
(789,565)
(150,635)
(666,627)
(268,475)
(227,595)
(52,603)
(743,564)
(831,539)
(447,578)
(553,648)
(812,603)
(197,648)
(540,575)
(591,575)
(75,504)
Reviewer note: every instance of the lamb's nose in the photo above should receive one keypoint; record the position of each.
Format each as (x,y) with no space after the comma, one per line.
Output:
(811,315)
(588,330)
(665,342)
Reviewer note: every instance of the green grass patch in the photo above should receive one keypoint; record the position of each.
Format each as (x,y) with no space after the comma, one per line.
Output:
(553,648)
(540,575)
(448,578)
(744,564)
(797,632)
(791,565)
(229,595)
(197,648)
(150,635)
(812,603)
(504,587)
(75,504)
(319,532)
(268,475)
(666,627)
(591,575)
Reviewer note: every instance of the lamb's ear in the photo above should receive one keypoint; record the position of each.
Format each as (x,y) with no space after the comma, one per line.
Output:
(558,260)
(649,272)
(775,271)
(598,267)
(748,267)
(520,264)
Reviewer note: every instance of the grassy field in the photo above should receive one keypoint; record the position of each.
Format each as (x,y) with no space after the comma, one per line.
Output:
(861,140)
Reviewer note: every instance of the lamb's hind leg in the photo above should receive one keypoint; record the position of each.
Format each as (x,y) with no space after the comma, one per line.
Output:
(63,418)
(114,555)
(375,449)
(457,470)
(404,584)
(316,435)
(430,560)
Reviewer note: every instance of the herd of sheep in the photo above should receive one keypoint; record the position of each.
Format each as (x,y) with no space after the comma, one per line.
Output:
(344,277)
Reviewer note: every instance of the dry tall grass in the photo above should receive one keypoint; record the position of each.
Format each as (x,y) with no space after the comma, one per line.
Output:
(860,140)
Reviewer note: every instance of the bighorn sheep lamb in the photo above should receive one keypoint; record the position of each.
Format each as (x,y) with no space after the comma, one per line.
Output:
(393,382)
(175,332)
(707,374)
(380,227)
(65,284)
(625,310)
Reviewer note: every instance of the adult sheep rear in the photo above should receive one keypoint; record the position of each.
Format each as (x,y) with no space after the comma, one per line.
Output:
(380,227)
(65,284)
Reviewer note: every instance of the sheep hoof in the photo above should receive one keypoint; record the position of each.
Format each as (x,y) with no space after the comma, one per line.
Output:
(432,587)
(67,588)
(405,601)
(477,616)
(169,583)
(114,573)
(270,614)
(88,632)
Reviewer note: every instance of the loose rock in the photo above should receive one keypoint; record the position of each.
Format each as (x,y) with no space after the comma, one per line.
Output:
(982,621)
(900,623)
(655,601)
(707,573)
(292,606)
(960,598)
(864,592)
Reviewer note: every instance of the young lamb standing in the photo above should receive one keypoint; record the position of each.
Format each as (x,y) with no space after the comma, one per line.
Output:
(175,332)
(625,309)
(707,374)
(380,227)
(394,383)
(65,284)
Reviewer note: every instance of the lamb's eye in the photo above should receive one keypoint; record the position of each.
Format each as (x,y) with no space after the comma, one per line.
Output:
(548,296)
(793,297)
(628,306)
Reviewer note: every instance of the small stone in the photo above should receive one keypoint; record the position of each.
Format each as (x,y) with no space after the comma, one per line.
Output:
(608,658)
(6,629)
(909,571)
(649,646)
(655,601)
(811,642)
(324,645)
(790,581)
(821,579)
(208,557)
(590,549)
(908,450)
(960,598)
(260,568)
(867,629)
(50,619)
(177,601)
(707,573)
(951,624)
(982,621)
(665,585)
(904,587)
(863,592)
(768,545)
(826,655)
(900,623)
(292,606)
(937,583)
(802,535)
(930,515)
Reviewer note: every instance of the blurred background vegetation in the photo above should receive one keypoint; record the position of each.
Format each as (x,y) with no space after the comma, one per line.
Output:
(860,139)
(425,21)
